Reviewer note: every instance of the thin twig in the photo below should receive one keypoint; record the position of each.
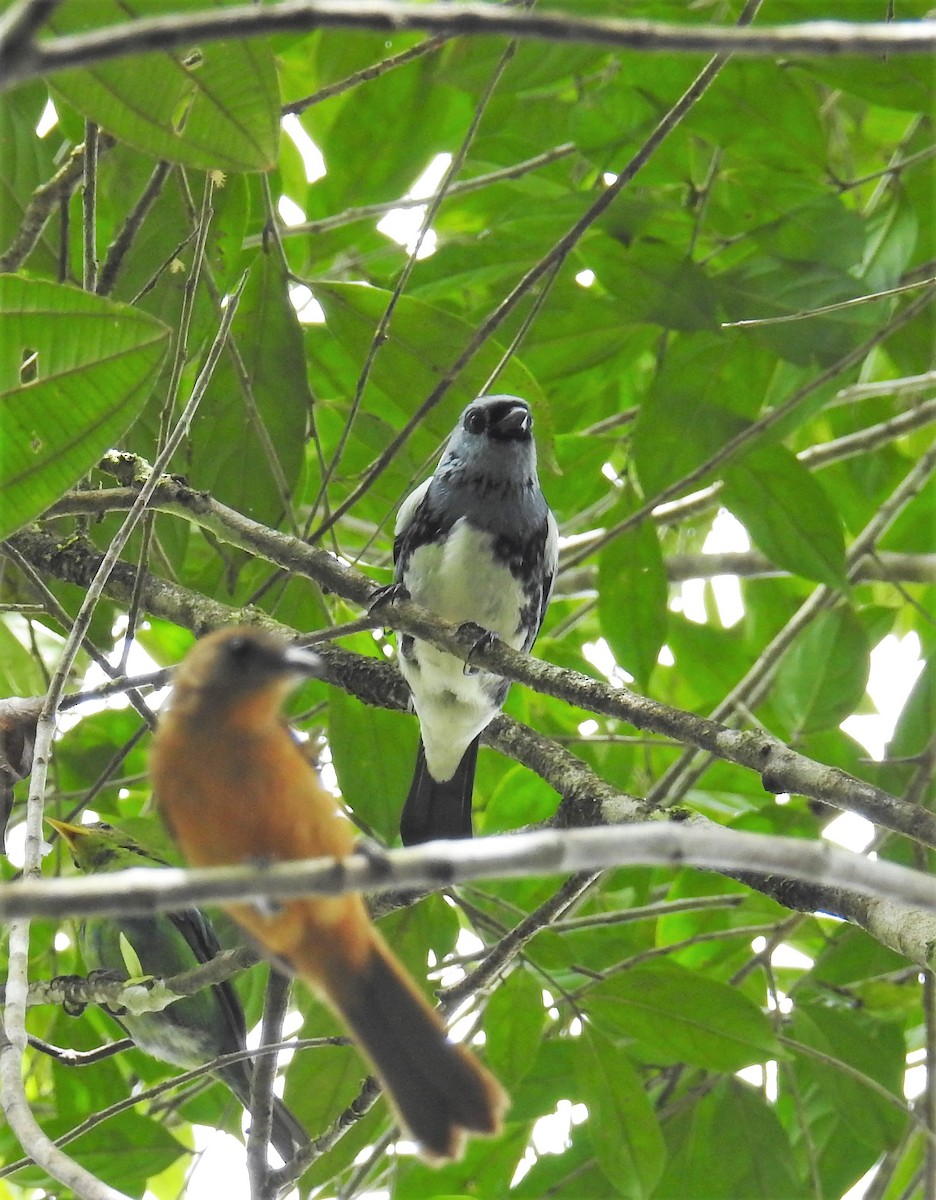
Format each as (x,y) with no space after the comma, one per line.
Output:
(89,209)
(365,75)
(123,239)
(367,212)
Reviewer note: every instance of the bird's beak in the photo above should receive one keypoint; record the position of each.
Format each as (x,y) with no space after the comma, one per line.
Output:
(516,420)
(301,661)
(67,831)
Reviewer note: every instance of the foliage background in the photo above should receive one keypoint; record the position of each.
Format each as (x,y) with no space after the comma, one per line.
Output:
(786,187)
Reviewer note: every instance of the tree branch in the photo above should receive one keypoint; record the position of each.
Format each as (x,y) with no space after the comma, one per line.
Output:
(782,769)
(886,565)
(22,58)
(437,865)
(43,203)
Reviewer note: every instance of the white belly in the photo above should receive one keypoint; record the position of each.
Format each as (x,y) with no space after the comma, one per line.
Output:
(459,581)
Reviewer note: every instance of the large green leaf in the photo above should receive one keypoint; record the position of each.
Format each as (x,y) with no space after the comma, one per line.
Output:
(632,594)
(699,399)
(227,454)
(513,1025)
(822,677)
(75,371)
(676,1016)
(125,1152)
(849,1090)
(787,513)
(214,107)
(729,1145)
(622,1126)
(651,283)
(375,783)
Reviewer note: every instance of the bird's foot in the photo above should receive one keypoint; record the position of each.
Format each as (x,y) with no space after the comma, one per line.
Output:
(481,639)
(382,597)
(74,1005)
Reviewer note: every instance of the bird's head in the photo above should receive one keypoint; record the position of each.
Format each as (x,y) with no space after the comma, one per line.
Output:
(497,419)
(101,847)
(242,666)
(493,442)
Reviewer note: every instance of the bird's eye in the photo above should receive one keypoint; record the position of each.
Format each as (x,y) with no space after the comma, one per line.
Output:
(239,648)
(474,420)
(104,825)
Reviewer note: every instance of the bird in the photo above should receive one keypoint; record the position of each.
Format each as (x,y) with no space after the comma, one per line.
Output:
(194,1029)
(475,543)
(235,786)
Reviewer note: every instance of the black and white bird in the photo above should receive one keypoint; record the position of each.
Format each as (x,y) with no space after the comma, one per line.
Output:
(475,543)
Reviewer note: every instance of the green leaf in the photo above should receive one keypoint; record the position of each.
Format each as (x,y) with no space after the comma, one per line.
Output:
(375,783)
(513,1025)
(709,660)
(126,1151)
(551,1078)
(622,1126)
(75,371)
(25,164)
(822,677)
(130,958)
(676,1016)
(787,513)
(895,81)
(825,231)
(851,1120)
(574,1172)
(632,593)
(729,1145)
(652,283)
(699,399)
(394,101)
(213,107)
(261,425)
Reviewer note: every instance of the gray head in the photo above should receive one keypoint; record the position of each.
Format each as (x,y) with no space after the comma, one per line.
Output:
(488,470)
(493,437)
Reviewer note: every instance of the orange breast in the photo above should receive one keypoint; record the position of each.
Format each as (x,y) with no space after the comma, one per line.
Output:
(233,797)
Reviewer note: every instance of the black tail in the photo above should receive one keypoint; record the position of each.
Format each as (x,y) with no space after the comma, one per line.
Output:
(439,810)
(288,1135)
(439,1089)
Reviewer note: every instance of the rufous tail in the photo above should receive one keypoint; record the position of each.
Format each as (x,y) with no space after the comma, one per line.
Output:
(439,1090)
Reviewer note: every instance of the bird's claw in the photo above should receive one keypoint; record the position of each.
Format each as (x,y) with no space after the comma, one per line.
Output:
(73,1005)
(106,975)
(481,638)
(389,594)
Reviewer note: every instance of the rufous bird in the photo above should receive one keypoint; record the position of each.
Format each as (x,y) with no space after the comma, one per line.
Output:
(236,787)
